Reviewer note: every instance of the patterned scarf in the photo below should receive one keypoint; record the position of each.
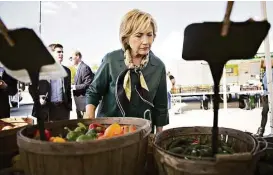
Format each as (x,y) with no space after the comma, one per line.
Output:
(123,85)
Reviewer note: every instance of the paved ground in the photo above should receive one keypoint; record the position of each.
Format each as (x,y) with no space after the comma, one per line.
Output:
(192,116)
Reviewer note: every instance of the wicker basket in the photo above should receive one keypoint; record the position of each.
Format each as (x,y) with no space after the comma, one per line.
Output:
(242,162)
(151,163)
(118,155)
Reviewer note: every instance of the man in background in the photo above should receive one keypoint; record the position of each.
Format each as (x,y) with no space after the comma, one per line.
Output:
(8,86)
(83,78)
(56,94)
(265,109)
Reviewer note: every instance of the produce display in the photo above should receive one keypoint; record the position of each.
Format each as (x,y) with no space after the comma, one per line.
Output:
(196,147)
(85,133)
(12,123)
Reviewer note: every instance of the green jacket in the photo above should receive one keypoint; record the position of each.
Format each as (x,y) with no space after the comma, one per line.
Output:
(103,88)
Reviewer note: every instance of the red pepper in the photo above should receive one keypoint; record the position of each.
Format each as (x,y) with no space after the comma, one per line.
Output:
(95,125)
(47,134)
(195,142)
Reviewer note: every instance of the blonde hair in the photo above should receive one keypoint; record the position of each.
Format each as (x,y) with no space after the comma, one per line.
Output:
(135,21)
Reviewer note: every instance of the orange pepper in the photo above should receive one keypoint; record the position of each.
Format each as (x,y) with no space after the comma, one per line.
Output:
(57,139)
(113,130)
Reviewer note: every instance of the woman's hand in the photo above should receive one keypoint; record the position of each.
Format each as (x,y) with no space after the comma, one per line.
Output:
(90,111)
(3,85)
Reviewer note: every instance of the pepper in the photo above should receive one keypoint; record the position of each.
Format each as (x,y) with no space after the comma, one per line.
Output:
(47,134)
(72,135)
(91,132)
(81,128)
(95,125)
(179,142)
(83,138)
(57,139)
(177,150)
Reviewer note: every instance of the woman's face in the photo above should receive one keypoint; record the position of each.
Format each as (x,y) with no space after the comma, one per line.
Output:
(141,42)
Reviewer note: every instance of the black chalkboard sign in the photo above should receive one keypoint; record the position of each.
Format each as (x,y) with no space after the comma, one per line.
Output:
(27,52)
(203,41)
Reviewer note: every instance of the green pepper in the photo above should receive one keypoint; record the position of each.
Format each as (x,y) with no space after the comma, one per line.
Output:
(194,152)
(179,142)
(91,132)
(228,149)
(83,138)
(82,125)
(81,128)
(72,135)
(177,150)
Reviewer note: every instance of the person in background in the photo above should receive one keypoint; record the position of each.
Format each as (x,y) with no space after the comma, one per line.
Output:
(265,109)
(131,82)
(56,94)
(172,80)
(169,88)
(8,86)
(82,80)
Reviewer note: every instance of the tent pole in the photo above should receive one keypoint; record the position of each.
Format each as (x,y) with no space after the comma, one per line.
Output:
(268,68)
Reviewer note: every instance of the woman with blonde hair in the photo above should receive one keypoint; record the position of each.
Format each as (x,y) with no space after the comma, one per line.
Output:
(131,82)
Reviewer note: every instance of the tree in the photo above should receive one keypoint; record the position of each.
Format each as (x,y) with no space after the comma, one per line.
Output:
(94,67)
(73,73)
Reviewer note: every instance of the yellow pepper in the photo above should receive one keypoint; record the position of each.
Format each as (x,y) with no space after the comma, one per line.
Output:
(57,139)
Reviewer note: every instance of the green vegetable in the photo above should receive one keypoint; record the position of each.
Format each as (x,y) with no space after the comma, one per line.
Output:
(228,149)
(177,150)
(72,135)
(82,125)
(179,142)
(92,132)
(83,138)
(197,146)
(81,128)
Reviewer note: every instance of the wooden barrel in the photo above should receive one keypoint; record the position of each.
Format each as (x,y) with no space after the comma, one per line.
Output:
(12,171)
(116,156)
(8,145)
(150,163)
(242,162)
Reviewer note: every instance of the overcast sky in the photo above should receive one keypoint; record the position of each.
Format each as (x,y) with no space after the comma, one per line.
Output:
(92,27)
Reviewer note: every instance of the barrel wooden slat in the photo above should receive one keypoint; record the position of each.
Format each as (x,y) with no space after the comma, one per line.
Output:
(123,155)
(95,165)
(24,161)
(172,164)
